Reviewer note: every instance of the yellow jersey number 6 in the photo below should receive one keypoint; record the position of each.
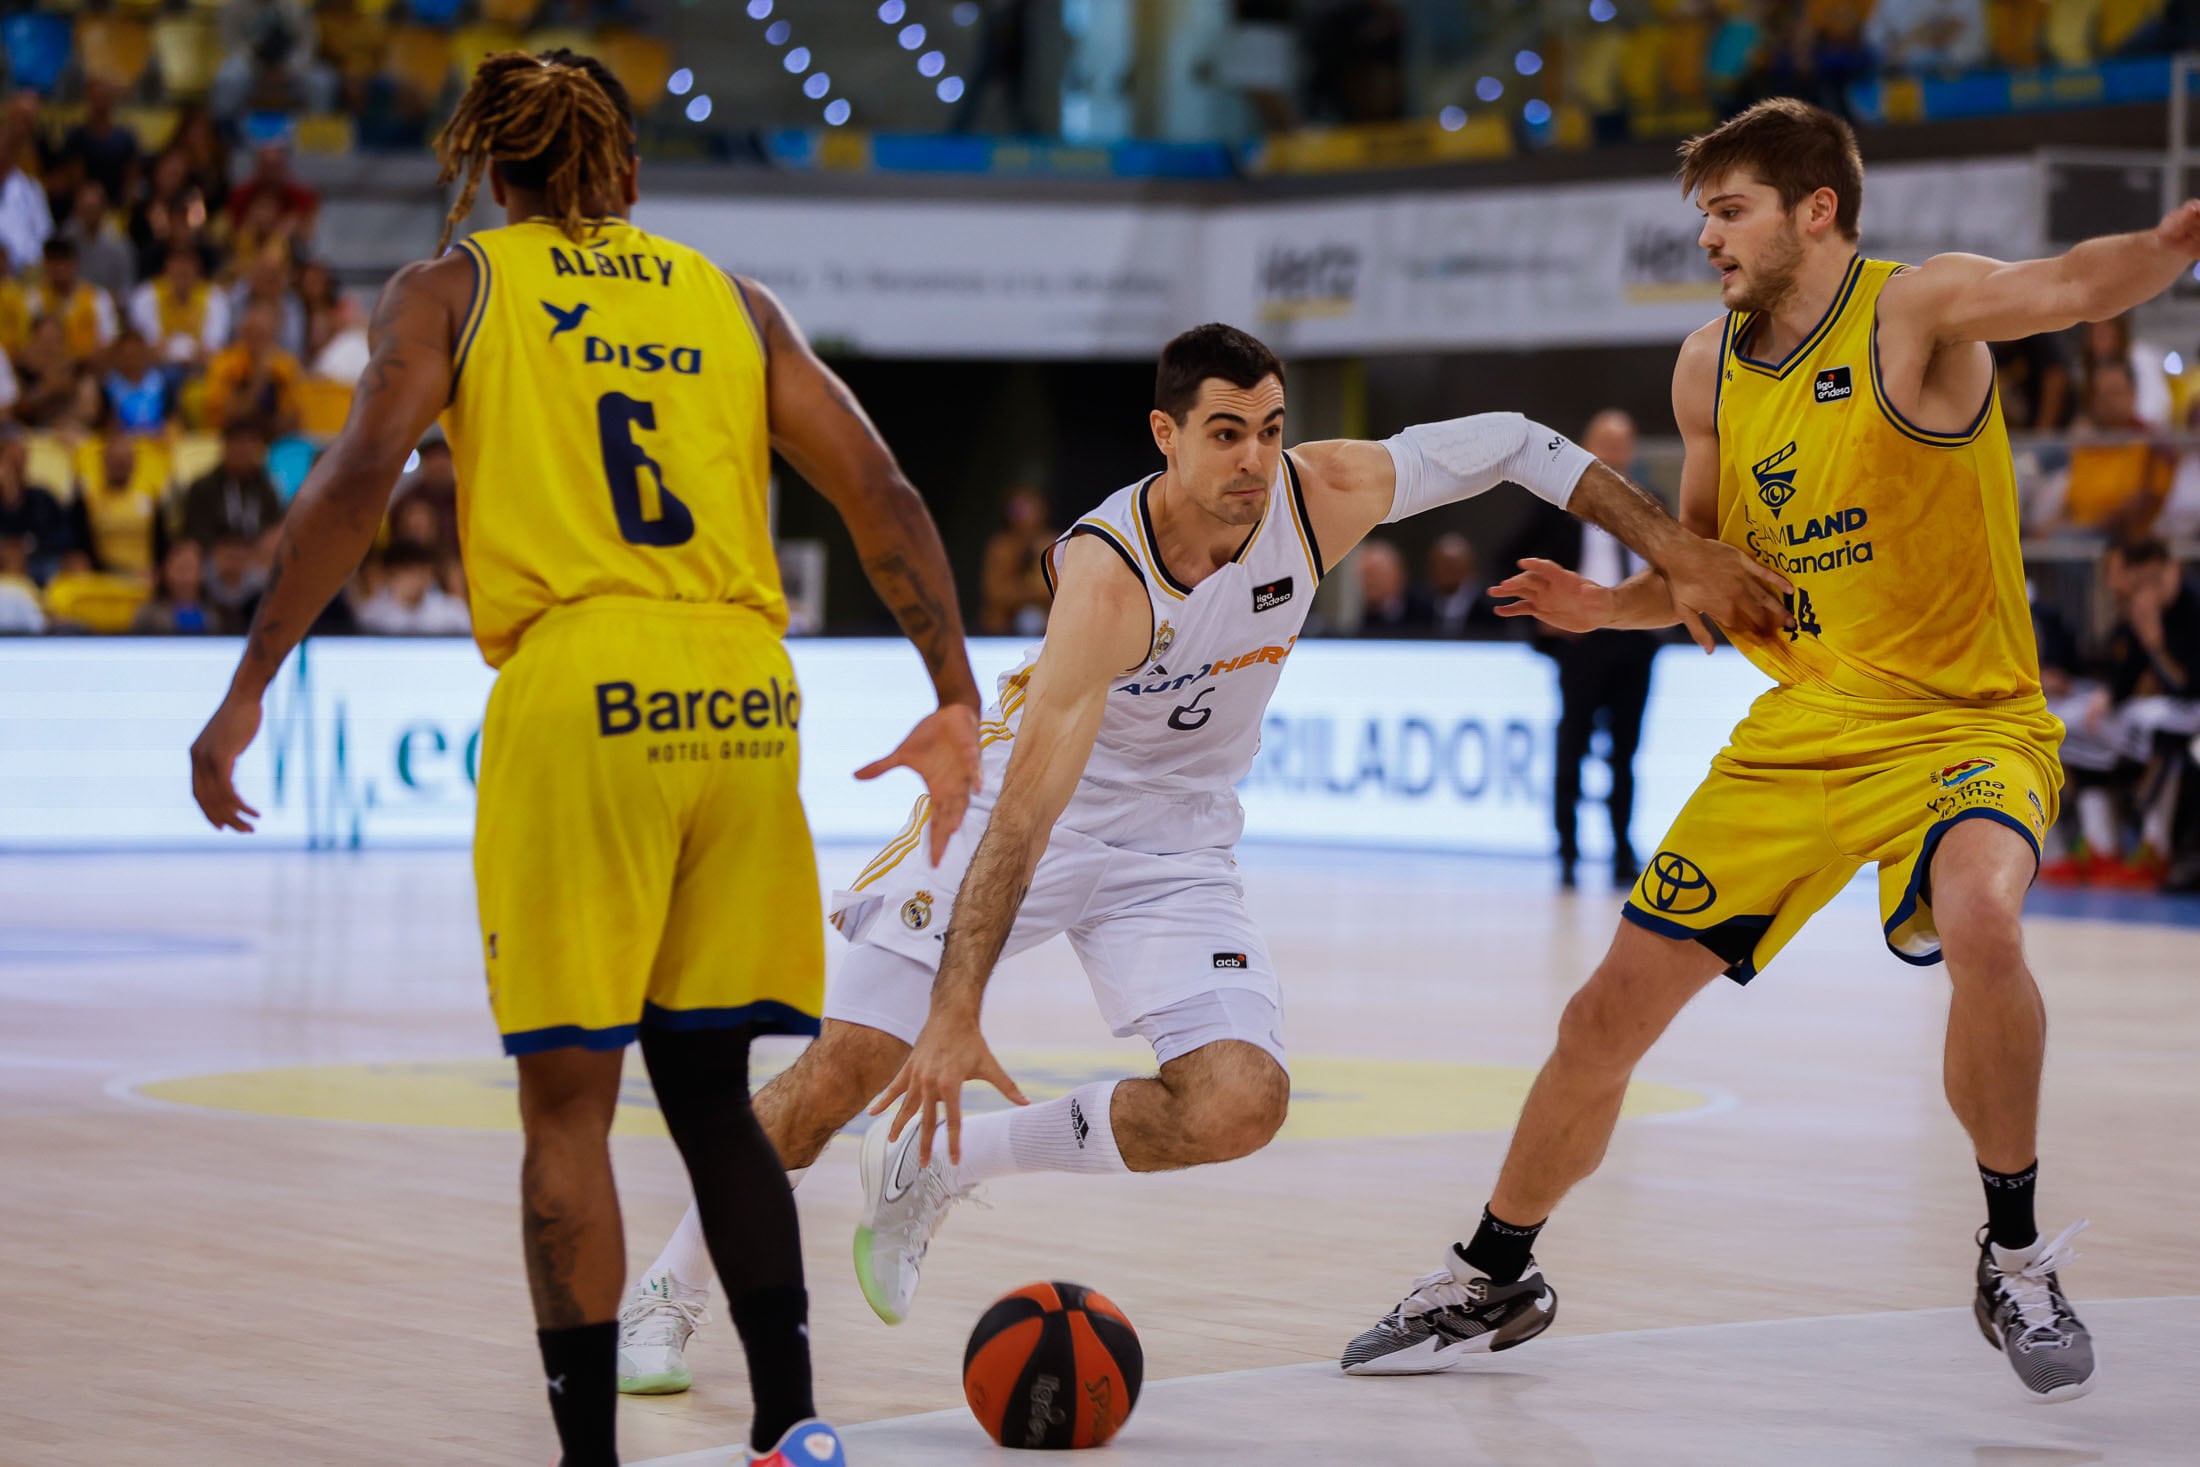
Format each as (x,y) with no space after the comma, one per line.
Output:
(652,516)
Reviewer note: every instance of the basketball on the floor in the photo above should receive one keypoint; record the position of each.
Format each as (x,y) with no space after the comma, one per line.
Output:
(1051,1366)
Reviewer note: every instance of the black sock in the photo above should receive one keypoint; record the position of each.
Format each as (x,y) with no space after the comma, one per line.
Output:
(775,1333)
(580,1364)
(747,1211)
(2009,1206)
(1500,1249)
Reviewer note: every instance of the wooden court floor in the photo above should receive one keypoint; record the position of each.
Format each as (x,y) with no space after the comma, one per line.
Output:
(258,1176)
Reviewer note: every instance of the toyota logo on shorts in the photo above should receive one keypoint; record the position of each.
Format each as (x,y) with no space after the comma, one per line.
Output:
(1677,885)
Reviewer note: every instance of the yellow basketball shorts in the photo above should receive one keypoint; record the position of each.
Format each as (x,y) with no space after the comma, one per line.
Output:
(640,851)
(1812,787)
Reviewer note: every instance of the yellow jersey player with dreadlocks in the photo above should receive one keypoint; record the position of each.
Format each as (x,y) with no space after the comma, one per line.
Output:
(642,862)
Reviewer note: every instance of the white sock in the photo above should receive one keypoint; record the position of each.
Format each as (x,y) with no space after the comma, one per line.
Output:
(687,1256)
(2097,822)
(2156,823)
(1072,1134)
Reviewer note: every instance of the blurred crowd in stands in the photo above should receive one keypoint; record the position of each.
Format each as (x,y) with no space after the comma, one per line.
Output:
(171,352)
(1621,68)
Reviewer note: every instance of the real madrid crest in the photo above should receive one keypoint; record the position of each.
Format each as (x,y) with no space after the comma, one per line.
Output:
(1164,638)
(916,913)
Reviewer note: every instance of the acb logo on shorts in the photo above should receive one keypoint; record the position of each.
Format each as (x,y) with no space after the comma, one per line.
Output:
(916,913)
(1677,885)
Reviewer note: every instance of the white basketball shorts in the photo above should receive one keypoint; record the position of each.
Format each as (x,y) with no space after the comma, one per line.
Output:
(1165,940)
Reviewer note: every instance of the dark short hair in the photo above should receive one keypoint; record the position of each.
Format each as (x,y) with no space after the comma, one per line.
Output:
(244,424)
(58,248)
(1791,147)
(403,553)
(1212,350)
(2148,551)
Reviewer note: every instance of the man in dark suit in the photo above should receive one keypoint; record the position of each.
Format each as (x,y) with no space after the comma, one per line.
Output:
(1601,674)
(1458,594)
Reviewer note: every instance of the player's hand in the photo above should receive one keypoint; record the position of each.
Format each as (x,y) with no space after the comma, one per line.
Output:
(943,750)
(2180,229)
(949,1053)
(214,761)
(1731,587)
(1556,597)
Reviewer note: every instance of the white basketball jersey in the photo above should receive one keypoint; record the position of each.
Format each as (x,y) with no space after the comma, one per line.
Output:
(1181,729)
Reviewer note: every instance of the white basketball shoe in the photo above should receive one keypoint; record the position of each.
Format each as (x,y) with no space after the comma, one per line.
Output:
(654,1329)
(904,1202)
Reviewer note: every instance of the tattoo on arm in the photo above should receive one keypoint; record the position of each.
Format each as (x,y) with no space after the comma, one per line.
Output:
(916,605)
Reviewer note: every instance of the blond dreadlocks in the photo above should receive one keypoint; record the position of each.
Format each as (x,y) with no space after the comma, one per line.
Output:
(548,112)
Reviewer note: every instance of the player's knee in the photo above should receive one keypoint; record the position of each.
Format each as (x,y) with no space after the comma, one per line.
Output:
(1982,945)
(836,1077)
(1596,1031)
(1238,1115)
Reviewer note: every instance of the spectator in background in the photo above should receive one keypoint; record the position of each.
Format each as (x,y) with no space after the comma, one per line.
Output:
(174,208)
(2033,377)
(263,233)
(11,391)
(434,482)
(1603,676)
(198,140)
(236,575)
(1358,54)
(1458,594)
(2112,341)
(1927,35)
(1014,596)
(104,256)
(270,64)
(187,319)
(26,221)
(255,377)
(1734,62)
(236,498)
(106,150)
(2180,516)
(1388,607)
(328,312)
(178,604)
(416,520)
(47,374)
(267,283)
(2117,477)
(271,177)
(116,507)
(86,313)
(2153,692)
(140,397)
(1826,53)
(34,532)
(410,602)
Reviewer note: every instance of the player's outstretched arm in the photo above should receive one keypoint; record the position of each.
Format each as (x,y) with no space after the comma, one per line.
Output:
(823,431)
(1353,486)
(1102,624)
(331,525)
(1959,298)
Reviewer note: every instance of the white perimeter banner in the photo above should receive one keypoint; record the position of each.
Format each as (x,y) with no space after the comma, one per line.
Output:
(370,743)
(1496,268)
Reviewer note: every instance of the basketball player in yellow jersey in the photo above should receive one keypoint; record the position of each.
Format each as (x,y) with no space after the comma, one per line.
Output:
(1841,425)
(642,862)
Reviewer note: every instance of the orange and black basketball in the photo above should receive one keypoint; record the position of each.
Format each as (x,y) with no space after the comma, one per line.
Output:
(1052,1365)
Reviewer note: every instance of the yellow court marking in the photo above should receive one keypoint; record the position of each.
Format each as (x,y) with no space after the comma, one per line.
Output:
(1330,1098)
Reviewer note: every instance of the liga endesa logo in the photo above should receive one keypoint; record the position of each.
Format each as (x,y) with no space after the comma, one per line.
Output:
(1963,772)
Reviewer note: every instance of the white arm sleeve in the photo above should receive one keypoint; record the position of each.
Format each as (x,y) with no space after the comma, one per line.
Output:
(1441,463)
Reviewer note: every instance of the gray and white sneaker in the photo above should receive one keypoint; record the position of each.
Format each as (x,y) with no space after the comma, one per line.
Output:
(1453,1313)
(655,1325)
(904,1202)
(2022,1312)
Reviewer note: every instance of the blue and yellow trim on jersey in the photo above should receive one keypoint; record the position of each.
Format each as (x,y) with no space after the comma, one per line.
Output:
(1738,337)
(1909,429)
(484,279)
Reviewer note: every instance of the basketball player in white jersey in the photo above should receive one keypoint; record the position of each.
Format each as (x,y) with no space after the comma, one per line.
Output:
(1114,749)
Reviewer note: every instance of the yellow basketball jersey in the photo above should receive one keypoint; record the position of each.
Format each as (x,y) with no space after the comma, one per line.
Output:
(1902,543)
(609,430)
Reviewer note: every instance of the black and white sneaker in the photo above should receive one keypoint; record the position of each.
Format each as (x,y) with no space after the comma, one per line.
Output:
(1453,1313)
(2022,1312)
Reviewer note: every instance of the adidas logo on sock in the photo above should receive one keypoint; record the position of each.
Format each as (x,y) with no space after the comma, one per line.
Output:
(1078,1126)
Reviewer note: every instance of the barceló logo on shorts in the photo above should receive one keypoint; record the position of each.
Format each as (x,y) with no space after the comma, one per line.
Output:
(1229,960)
(1677,885)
